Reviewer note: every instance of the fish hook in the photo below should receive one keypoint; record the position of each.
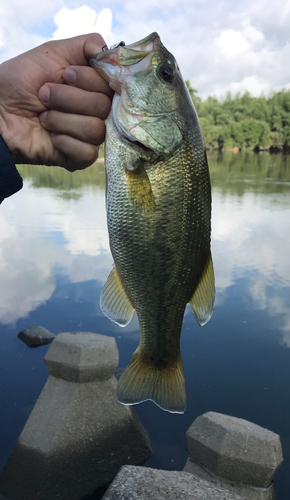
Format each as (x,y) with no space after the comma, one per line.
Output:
(115,46)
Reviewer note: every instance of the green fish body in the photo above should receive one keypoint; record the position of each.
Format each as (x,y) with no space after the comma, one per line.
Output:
(159,216)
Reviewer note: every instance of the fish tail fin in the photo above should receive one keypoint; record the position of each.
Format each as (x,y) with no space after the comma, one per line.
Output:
(141,381)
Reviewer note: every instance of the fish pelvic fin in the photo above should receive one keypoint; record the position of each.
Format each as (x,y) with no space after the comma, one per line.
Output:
(202,301)
(164,386)
(114,301)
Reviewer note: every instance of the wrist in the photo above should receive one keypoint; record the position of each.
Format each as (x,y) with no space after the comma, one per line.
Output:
(4,131)
(8,134)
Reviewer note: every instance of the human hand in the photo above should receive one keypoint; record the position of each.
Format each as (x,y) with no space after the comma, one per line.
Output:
(53,105)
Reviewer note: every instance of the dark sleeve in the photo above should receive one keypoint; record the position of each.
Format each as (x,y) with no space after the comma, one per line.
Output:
(10,179)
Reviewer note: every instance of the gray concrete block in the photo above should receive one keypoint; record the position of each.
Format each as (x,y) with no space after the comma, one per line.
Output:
(142,483)
(82,357)
(235,449)
(35,336)
(246,492)
(77,436)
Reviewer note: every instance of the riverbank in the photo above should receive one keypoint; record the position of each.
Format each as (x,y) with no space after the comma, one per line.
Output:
(237,149)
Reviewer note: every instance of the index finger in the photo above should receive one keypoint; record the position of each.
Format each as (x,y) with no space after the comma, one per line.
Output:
(93,45)
(75,50)
(86,78)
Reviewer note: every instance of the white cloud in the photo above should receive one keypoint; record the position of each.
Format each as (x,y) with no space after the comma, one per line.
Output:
(252,84)
(231,44)
(219,46)
(73,22)
(18,25)
(254,36)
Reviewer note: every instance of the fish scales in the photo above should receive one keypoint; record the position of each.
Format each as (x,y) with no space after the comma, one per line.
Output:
(159,218)
(150,254)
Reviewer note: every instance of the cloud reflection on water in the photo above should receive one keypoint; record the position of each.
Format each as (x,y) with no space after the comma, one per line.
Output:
(49,235)
(251,240)
(43,233)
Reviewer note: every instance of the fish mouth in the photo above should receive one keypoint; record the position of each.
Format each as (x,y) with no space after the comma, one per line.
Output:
(119,62)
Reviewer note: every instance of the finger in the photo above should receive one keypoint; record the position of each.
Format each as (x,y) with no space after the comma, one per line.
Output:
(74,100)
(78,155)
(93,45)
(76,50)
(86,78)
(88,129)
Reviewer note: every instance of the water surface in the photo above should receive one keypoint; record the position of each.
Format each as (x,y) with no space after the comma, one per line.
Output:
(54,260)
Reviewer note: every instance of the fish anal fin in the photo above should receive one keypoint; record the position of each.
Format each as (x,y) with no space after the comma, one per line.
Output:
(202,301)
(140,191)
(141,382)
(114,301)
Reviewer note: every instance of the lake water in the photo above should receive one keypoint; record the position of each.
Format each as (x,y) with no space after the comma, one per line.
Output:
(54,259)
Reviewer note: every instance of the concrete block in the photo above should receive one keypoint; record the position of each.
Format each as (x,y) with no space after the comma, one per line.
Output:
(77,436)
(82,357)
(35,336)
(235,449)
(246,492)
(142,483)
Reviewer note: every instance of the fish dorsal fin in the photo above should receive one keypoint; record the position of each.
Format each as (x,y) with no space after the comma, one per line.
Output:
(140,191)
(114,301)
(202,301)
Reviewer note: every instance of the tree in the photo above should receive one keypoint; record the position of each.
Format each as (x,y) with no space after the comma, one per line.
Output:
(193,94)
(245,121)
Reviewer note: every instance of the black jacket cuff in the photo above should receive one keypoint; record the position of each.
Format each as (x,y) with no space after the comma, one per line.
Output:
(10,179)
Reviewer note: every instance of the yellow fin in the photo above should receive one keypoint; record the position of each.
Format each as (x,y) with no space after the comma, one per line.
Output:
(114,301)
(164,386)
(202,301)
(140,191)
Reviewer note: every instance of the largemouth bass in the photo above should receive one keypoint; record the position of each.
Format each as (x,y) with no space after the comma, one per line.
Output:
(159,216)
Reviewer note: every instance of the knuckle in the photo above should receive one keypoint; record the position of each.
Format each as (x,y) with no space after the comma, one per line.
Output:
(98,130)
(93,131)
(90,155)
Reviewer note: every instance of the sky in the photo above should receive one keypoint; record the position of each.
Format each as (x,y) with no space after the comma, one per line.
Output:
(220,46)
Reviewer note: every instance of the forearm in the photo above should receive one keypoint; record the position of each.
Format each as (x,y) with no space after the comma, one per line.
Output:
(10,179)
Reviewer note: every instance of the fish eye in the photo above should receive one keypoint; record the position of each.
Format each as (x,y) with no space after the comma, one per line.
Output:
(166,73)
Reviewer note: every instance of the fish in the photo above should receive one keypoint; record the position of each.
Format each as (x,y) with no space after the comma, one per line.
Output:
(158,216)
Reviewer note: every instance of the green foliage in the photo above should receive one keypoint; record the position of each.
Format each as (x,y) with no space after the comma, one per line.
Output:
(193,94)
(244,121)
(62,181)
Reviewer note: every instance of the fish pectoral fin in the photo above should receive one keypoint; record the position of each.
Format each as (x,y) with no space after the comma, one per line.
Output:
(141,381)
(114,301)
(202,301)
(140,191)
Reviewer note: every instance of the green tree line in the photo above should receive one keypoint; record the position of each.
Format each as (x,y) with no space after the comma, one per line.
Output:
(243,121)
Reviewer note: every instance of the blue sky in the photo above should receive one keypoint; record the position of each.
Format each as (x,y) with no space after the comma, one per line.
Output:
(219,46)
